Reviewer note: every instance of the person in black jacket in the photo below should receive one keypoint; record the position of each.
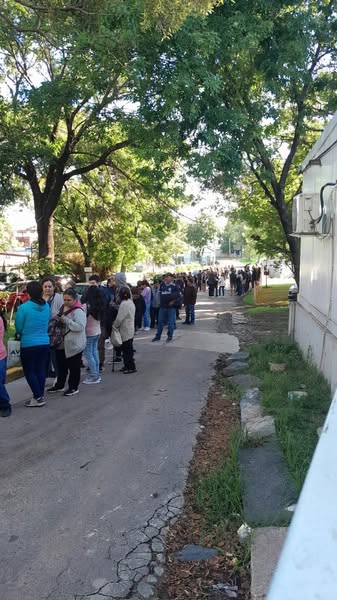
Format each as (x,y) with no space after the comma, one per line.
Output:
(169,297)
(190,298)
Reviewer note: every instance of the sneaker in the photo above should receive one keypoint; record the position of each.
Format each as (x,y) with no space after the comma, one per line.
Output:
(156,339)
(146,328)
(54,389)
(71,392)
(123,369)
(129,371)
(168,340)
(185,323)
(117,359)
(6,411)
(35,402)
(89,380)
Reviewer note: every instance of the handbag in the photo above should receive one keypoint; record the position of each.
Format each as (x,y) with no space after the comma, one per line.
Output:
(115,337)
(13,353)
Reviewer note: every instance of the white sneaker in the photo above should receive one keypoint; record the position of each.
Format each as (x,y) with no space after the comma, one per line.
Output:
(33,403)
(89,381)
(146,328)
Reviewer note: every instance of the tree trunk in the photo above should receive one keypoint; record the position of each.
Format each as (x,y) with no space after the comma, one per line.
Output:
(45,232)
(294,242)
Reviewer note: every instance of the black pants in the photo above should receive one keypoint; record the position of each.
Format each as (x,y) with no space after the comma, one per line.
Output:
(210,289)
(127,349)
(154,313)
(71,365)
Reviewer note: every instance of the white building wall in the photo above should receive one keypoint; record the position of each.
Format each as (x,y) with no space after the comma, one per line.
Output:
(316,311)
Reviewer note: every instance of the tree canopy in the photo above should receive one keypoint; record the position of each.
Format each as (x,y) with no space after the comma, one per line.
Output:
(256,81)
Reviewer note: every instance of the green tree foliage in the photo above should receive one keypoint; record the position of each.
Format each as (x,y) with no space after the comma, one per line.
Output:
(70,76)
(256,83)
(200,233)
(6,235)
(113,219)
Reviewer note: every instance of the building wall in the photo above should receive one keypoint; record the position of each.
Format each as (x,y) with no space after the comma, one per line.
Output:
(316,311)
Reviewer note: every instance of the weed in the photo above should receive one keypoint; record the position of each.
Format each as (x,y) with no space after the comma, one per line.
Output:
(296,421)
(232,390)
(218,495)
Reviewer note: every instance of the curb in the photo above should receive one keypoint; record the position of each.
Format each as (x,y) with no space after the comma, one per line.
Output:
(14,373)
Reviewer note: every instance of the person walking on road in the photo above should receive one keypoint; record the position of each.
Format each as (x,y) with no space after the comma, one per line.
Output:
(31,325)
(5,403)
(169,297)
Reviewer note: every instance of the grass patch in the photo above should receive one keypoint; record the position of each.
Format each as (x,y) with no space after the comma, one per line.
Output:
(274,295)
(257,310)
(296,421)
(218,495)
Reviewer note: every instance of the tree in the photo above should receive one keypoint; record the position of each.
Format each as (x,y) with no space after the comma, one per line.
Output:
(200,233)
(72,72)
(115,222)
(256,81)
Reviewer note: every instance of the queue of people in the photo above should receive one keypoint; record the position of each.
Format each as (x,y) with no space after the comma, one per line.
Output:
(57,330)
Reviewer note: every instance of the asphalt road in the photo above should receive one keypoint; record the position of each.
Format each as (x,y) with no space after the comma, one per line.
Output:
(89,482)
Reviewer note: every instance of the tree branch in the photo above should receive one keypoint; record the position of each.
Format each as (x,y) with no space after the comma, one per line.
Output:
(97,163)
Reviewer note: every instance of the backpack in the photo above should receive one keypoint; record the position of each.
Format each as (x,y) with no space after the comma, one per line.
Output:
(56,328)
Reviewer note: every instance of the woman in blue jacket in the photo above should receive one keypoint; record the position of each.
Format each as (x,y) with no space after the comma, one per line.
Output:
(31,325)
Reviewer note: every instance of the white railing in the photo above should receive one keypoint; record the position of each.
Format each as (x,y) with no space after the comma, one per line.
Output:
(307,569)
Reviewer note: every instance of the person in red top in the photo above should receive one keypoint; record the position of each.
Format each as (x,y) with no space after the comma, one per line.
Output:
(5,403)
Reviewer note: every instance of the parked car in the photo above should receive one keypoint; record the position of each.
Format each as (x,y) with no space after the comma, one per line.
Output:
(81,287)
(7,278)
(14,295)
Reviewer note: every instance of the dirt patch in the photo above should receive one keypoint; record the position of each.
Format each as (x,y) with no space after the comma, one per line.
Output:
(194,580)
(256,328)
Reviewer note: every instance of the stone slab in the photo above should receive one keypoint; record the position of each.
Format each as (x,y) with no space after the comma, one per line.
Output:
(234,368)
(260,428)
(250,405)
(267,488)
(267,543)
(193,552)
(245,381)
(238,356)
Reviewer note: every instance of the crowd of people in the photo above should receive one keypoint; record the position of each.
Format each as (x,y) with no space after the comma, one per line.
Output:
(59,332)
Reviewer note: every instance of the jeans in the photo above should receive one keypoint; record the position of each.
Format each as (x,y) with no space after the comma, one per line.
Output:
(127,349)
(4,397)
(35,360)
(91,355)
(221,290)
(154,312)
(190,314)
(101,344)
(166,315)
(147,315)
(71,364)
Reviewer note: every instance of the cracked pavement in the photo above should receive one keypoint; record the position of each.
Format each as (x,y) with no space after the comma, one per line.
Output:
(89,484)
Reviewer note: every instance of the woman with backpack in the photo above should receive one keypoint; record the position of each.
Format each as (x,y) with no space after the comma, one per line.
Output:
(95,309)
(5,403)
(70,345)
(55,301)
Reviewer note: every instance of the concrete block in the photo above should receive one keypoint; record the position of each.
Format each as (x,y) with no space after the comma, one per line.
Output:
(267,543)
(260,427)
(250,405)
